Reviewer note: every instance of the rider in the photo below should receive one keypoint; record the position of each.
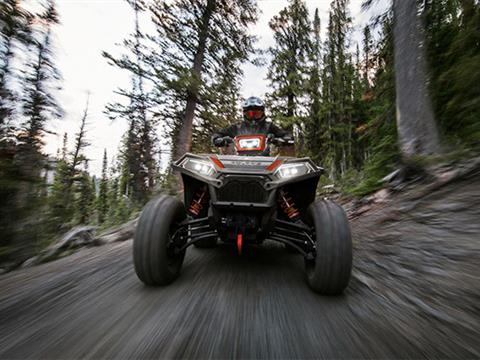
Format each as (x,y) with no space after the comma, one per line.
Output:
(254,122)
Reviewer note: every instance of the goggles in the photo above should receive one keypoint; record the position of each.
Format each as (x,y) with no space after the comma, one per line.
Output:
(253,114)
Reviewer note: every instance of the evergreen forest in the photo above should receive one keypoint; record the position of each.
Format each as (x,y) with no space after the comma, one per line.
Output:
(403,97)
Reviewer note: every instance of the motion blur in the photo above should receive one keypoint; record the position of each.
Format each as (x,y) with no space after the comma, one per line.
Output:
(381,95)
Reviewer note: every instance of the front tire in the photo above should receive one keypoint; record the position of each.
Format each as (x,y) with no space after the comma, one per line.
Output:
(329,272)
(153,256)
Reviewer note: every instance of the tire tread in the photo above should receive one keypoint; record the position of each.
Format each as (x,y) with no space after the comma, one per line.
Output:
(331,272)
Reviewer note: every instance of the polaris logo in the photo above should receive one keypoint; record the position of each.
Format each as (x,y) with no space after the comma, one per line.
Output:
(243,163)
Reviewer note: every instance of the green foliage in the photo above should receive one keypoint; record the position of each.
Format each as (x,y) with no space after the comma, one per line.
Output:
(72,193)
(453,40)
(60,202)
(340,104)
(102,199)
(219,105)
(38,103)
(112,200)
(334,91)
(288,70)
(138,164)
(379,132)
(23,226)
(85,198)
(453,35)
(15,30)
(313,122)
(201,45)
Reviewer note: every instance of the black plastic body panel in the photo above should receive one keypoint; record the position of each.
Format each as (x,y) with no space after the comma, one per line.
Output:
(243,195)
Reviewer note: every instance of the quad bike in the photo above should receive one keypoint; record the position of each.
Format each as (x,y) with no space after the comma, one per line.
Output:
(244,200)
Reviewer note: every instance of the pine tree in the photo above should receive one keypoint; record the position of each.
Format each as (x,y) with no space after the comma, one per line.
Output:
(203,32)
(39,103)
(84,196)
(59,200)
(77,156)
(138,154)
(64,151)
(102,200)
(68,171)
(24,160)
(380,129)
(367,56)
(337,92)
(112,199)
(219,107)
(313,126)
(453,40)
(288,69)
(15,28)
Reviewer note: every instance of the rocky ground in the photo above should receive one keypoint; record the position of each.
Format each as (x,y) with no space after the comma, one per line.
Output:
(414,293)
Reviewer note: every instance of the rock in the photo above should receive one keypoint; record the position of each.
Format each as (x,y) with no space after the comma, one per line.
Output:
(31,262)
(381,196)
(391,176)
(119,233)
(81,236)
(77,237)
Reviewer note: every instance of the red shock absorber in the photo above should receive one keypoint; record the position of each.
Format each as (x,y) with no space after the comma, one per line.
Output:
(198,201)
(288,205)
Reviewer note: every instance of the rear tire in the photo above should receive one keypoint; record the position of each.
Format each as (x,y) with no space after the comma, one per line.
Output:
(206,243)
(153,257)
(329,273)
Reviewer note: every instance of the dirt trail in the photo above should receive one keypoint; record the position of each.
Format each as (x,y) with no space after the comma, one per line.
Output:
(415,292)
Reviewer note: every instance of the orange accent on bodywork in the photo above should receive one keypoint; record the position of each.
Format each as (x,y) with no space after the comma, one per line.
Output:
(217,162)
(274,164)
(239,243)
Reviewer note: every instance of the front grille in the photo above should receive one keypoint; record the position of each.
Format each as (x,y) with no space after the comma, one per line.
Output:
(242,191)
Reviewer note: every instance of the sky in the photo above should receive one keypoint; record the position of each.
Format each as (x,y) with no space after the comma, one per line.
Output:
(89,27)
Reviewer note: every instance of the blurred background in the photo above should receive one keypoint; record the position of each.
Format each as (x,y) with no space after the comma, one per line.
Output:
(384,95)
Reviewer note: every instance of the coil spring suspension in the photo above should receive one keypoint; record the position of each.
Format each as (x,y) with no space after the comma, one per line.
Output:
(198,201)
(288,205)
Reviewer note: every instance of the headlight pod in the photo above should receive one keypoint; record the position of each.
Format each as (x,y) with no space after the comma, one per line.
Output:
(249,143)
(286,171)
(200,167)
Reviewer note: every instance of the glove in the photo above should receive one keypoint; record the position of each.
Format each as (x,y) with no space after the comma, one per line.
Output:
(219,142)
(289,139)
(223,141)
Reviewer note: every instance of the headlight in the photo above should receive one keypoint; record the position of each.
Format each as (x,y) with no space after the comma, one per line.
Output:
(198,166)
(249,143)
(291,170)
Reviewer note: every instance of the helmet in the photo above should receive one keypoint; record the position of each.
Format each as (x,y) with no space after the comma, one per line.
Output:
(253,101)
(253,109)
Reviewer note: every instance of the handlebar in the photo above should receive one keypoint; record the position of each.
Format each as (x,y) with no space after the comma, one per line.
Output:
(227,139)
(271,139)
(279,140)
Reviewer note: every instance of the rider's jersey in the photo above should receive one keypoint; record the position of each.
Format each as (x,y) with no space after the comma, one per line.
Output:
(251,128)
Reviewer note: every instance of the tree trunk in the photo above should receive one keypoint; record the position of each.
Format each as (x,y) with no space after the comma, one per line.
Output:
(184,137)
(417,131)
(4,93)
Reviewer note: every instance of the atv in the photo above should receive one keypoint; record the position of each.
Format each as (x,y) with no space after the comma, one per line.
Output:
(245,199)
